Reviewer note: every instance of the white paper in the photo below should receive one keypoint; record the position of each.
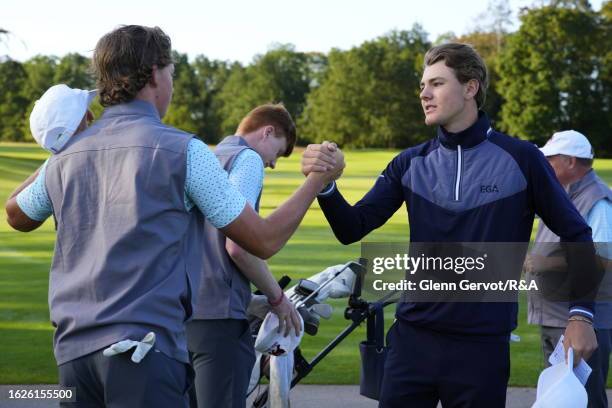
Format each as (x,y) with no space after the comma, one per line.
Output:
(581,371)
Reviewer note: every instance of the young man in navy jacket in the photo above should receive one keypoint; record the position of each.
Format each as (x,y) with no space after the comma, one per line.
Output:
(458,353)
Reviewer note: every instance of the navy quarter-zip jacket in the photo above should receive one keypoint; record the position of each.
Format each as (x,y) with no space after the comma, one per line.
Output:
(478,185)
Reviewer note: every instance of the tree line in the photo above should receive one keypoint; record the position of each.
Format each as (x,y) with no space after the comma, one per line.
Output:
(553,73)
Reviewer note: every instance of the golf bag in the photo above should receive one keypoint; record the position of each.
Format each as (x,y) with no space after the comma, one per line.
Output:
(309,296)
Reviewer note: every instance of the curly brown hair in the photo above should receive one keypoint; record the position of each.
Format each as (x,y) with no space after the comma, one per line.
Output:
(123,61)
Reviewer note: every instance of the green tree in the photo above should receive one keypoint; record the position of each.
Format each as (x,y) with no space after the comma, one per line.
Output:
(185,111)
(550,75)
(195,104)
(13,103)
(605,62)
(74,70)
(40,71)
(211,76)
(317,65)
(280,75)
(41,75)
(497,19)
(582,5)
(370,96)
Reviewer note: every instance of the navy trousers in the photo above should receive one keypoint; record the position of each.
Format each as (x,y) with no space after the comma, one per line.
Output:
(117,382)
(424,367)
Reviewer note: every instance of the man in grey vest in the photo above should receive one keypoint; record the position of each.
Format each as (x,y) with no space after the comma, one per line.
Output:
(218,337)
(129,196)
(571,156)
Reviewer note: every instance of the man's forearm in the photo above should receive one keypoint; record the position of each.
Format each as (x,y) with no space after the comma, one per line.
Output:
(254,269)
(343,218)
(585,275)
(15,217)
(264,237)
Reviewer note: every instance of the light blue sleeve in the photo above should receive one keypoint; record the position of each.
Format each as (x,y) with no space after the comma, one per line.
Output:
(599,219)
(247,174)
(34,200)
(207,187)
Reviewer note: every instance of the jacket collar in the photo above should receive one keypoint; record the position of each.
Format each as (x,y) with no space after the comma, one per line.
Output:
(234,140)
(469,137)
(134,107)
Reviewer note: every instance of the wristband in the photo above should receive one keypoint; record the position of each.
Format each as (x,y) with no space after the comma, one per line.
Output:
(580,319)
(278,301)
(328,189)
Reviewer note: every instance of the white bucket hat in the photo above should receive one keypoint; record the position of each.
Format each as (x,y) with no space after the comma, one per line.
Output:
(558,387)
(569,143)
(57,115)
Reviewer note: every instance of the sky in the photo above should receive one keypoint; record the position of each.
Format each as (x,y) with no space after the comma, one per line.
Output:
(231,29)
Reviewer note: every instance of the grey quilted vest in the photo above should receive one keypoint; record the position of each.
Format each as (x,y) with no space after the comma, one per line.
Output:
(125,242)
(584,194)
(224,292)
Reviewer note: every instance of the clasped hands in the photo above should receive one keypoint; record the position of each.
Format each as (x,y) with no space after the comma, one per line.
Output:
(323,160)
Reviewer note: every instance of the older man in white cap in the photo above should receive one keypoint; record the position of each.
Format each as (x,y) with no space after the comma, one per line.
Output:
(571,156)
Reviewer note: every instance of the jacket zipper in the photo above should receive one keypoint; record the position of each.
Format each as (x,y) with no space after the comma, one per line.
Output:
(459,165)
(458,178)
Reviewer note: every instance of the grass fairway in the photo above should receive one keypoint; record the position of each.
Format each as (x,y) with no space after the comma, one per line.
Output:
(26,334)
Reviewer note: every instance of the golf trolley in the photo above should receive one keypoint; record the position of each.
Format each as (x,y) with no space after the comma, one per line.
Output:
(357,311)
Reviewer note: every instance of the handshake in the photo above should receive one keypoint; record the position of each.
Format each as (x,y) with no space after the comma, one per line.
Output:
(325,161)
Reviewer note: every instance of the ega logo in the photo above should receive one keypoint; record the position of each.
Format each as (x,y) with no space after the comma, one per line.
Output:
(490,188)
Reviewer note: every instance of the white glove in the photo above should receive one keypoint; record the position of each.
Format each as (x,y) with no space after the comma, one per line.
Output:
(142,347)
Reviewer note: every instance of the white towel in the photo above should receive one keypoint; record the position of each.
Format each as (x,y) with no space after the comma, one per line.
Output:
(281,348)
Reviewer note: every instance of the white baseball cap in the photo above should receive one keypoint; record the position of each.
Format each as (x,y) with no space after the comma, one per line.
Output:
(57,115)
(569,143)
(558,387)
